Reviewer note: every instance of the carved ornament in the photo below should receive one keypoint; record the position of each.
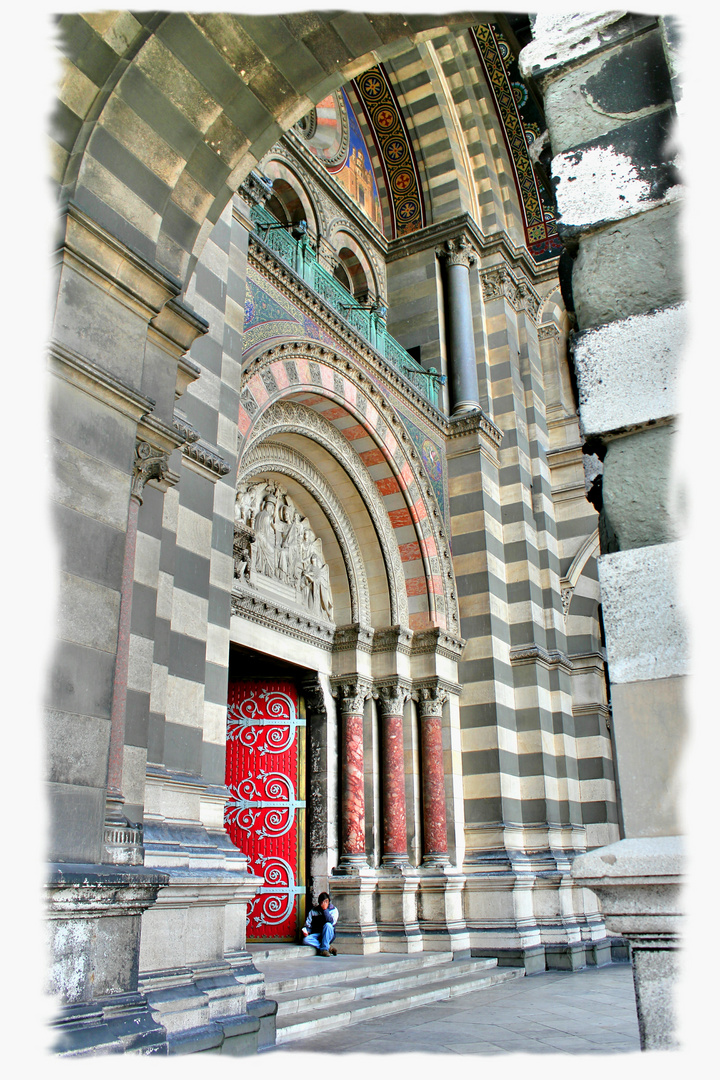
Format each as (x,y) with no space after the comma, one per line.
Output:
(458,252)
(352,693)
(150,464)
(391,696)
(284,549)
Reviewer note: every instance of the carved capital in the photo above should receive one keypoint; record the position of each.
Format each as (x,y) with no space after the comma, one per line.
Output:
(314,698)
(457,252)
(497,282)
(150,464)
(430,700)
(352,692)
(391,696)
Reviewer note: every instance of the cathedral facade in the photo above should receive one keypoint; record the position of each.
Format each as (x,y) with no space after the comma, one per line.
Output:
(330,512)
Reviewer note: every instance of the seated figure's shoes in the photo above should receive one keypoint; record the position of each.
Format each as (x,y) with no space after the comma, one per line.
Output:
(323,952)
(333,951)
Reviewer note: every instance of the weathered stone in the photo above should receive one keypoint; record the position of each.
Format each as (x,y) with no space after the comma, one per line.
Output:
(637,489)
(627,371)
(646,635)
(629,268)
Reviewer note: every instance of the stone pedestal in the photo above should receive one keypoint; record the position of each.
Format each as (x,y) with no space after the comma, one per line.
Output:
(638,883)
(397,892)
(440,911)
(94,929)
(353,893)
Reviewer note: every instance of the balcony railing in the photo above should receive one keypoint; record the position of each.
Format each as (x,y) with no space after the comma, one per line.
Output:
(369,324)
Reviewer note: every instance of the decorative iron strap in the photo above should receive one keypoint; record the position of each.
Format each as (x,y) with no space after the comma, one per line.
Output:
(392,139)
(519,121)
(275,901)
(246,724)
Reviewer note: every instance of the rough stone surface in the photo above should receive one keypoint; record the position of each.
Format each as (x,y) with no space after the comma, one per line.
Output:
(617,176)
(636,489)
(627,371)
(564,39)
(645,632)
(636,857)
(629,268)
(607,90)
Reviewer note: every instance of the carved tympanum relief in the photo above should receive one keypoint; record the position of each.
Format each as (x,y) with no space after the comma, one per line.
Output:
(281,550)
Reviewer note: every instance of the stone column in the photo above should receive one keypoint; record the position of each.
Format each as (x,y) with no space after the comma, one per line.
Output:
(458,256)
(352,695)
(122,844)
(391,701)
(430,704)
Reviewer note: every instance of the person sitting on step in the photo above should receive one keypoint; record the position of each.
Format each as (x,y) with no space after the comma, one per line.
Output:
(319,928)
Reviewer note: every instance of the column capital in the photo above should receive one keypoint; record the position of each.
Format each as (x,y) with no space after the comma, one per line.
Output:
(430,699)
(352,692)
(499,281)
(457,252)
(150,464)
(391,695)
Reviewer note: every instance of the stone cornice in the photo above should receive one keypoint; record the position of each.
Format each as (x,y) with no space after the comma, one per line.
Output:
(355,637)
(94,380)
(536,654)
(500,280)
(474,421)
(205,460)
(439,642)
(275,616)
(396,639)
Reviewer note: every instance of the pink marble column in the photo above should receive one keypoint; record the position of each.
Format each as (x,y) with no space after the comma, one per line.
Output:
(352,696)
(391,700)
(430,703)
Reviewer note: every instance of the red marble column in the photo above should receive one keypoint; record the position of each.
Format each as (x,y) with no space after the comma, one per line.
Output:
(390,702)
(430,703)
(352,697)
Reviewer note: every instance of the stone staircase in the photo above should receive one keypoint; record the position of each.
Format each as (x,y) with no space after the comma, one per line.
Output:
(316,993)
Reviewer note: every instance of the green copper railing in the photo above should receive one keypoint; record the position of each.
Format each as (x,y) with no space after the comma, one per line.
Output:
(368,323)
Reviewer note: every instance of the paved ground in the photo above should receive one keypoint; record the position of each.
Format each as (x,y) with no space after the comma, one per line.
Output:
(583,1012)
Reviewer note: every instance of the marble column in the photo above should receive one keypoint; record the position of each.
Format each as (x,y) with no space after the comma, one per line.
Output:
(458,255)
(391,702)
(121,842)
(430,705)
(352,695)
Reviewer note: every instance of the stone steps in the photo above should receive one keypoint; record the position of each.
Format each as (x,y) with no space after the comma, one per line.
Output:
(316,994)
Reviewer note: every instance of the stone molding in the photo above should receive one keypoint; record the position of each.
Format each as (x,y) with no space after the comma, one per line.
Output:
(256,188)
(467,423)
(548,330)
(536,654)
(352,691)
(438,642)
(397,639)
(210,462)
(500,281)
(100,384)
(457,252)
(355,637)
(275,616)
(314,697)
(270,456)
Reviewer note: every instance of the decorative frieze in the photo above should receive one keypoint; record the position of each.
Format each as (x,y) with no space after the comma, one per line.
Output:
(354,637)
(256,188)
(274,615)
(548,330)
(466,423)
(439,642)
(207,458)
(498,282)
(398,639)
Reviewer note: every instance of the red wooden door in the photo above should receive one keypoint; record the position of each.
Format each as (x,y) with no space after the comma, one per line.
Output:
(265,808)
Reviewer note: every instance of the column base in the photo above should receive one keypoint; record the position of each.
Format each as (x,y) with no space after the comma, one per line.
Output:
(638,884)
(397,920)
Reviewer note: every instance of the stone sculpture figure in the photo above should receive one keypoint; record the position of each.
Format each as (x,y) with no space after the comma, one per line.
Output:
(284,547)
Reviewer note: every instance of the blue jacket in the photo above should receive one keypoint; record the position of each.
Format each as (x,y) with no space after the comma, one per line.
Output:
(317,918)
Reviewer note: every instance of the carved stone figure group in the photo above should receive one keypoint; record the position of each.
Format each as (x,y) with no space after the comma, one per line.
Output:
(284,546)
